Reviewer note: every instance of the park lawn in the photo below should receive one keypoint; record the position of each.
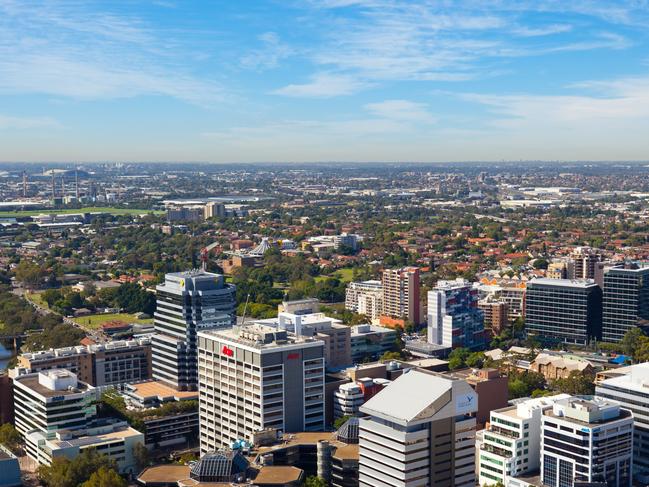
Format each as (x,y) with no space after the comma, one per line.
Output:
(88,209)
(345,275)
(95,321)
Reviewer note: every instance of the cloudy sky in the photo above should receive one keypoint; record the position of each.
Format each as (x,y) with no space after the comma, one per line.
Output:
(324,80)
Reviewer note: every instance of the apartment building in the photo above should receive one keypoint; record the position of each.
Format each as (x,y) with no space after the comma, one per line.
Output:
(563,310)
(401,293)
(586,440)
(186,303)
(626,300)
(495,314)
(258,377)
(454,319)
(419,432)
(365,298)
(111,363)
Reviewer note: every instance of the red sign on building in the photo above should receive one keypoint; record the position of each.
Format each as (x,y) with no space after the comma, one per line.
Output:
(227,351)
(293,356)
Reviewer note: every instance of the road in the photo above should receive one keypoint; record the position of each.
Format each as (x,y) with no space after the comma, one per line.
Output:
(94,335)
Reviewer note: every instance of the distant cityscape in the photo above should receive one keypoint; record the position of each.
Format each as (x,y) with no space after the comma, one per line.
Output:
(411,325)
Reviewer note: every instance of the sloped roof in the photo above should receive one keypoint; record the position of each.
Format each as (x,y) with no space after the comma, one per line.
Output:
(416,395)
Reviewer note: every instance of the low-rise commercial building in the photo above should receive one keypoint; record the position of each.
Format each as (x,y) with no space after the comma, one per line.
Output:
(112,363)
(370,341)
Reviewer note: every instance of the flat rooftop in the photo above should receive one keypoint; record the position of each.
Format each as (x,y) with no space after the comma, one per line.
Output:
(155,388)
(279,475)
(573,283)
(32,383)
(164,474)
(99,439)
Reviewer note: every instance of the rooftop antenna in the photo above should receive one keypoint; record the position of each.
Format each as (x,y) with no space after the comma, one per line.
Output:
(76,183)
(53,187)
(245,308)
(24,184)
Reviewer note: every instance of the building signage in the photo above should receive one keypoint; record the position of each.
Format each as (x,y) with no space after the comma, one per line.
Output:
(293,356)
(227,351)
(466,403)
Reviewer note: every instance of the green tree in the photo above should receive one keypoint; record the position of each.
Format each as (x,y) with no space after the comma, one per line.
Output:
(105,477)
(71,473)
(9,437)
(340,421)
(141,456)
(576,384)
(631,341)
(475,360)
(314,481)
(30,274)
(457,358)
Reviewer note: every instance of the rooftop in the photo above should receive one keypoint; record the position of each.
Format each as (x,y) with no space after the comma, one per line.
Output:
(160,391)
(279,475)
(260,337)
(32,382)
(427,394)
(574,283)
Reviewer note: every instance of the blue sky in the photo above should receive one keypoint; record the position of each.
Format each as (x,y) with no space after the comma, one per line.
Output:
(323,80)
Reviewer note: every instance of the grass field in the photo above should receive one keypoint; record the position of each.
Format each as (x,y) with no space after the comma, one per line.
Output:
(345,274)
(95,321)
(87,209)
(36,298)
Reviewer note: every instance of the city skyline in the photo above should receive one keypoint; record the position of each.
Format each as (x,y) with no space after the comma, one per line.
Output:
(330,80)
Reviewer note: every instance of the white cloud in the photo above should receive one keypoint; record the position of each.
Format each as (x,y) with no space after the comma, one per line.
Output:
(546,30)
(270,55)
(323,85)
(401,110)
(21,123)
(64,49)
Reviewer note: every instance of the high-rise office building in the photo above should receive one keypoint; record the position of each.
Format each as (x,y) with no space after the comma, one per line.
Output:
(419,432)
(510,446)
(626,299)
(401,293)
(630,388)
(257,377)
(586,440)
(454,319)
(187,302)
(564,310)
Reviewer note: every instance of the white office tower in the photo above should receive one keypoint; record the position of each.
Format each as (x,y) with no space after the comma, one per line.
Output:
(50,401)
(256,377)
(586,440)
(187,302)
(419,432)
(631,389)
(511,444)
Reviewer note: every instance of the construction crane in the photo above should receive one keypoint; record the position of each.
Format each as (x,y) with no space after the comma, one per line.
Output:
(205,254)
